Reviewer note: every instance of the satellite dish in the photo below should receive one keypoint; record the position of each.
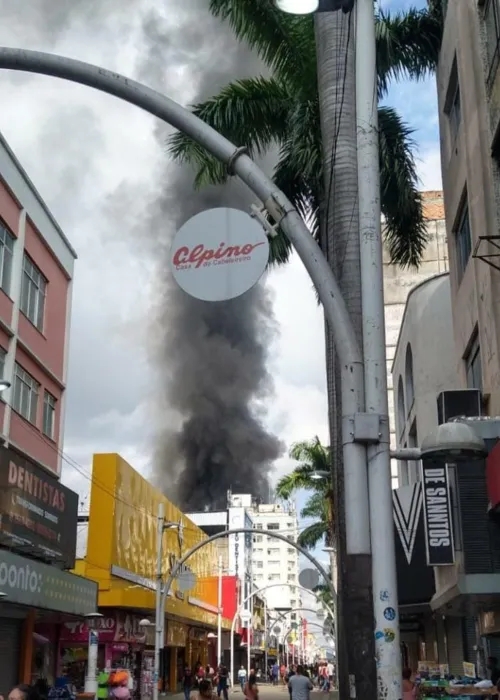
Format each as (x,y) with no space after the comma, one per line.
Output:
(186,580)
(276,629)
(309,578)
(246,616)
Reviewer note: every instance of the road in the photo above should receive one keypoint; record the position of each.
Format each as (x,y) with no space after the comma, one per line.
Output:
(266,692)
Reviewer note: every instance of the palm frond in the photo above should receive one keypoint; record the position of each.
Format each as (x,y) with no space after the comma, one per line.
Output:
(315,507)
(251,112)
(299,478)
(405,226)
(312,535)
(312,453)
(408,45)
(284,42)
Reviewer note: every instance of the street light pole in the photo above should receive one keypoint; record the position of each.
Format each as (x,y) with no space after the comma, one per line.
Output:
(384,576)
(219,612)
(159,617)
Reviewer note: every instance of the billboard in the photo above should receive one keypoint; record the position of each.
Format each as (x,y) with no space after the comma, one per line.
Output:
(38,515)
(437,513)
(237,565)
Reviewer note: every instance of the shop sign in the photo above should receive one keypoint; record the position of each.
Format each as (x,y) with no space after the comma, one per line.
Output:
(177,634)
(489,622)
(36,510)
(116,626)
(437,514)
(29,582)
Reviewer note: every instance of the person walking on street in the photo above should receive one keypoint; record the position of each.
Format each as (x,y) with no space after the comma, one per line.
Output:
(205,690)
(242,677)
(300,685)
(222,674)
(251,690)
(276,673)
(291,673)
(187,682)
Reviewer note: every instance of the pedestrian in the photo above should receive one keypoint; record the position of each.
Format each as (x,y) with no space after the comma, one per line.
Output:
(242,677)
(222,674)
(251,690)
(291,673)
(300,685)
(409,688)
(22,692)
(492,666)
(276,672)
(205,690)
(283,673)
(187,682)
(325,683)
(330,669)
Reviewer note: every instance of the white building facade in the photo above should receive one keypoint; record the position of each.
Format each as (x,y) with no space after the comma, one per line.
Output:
(274,561)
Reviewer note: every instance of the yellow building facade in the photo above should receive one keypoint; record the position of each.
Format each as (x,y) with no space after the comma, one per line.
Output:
(122,554)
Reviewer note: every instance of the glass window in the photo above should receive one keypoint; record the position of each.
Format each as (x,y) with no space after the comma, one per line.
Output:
(26,391)
(410,385)
(6,251)
(273,550)
(463,239)
(33,293)
(259,564)
(49,415)
(3,355)
(274,577)
(491,19)
(274,562)
(453,106)
(273,526)
(473,364)
(291,551)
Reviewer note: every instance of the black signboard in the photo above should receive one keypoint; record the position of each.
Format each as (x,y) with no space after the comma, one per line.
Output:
(38,515)
(437,513)
(415,579)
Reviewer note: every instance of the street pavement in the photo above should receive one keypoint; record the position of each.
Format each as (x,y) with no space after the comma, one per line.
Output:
(266,692)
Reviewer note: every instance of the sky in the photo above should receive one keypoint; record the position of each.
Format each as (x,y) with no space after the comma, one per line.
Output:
(98,163)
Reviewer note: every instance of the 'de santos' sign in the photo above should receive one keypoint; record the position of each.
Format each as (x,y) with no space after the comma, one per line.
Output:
(38,515)
(437,514)
(219,254)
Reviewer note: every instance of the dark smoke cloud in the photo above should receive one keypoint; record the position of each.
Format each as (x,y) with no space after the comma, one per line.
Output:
(212,356)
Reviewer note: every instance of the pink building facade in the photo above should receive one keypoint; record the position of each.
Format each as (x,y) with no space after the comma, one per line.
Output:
(36,271)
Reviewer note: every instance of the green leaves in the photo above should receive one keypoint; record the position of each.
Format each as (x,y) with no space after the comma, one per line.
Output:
(405,227)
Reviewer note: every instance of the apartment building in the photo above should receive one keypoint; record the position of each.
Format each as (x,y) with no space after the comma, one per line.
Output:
(273,561)
(468,84)
(36,270)
(398,284)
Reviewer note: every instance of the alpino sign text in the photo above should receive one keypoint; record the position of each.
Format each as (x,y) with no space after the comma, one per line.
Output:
(185,258)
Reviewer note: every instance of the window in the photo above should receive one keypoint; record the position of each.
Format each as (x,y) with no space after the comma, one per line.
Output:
(3,355)
(258,577)
(33,293)
(401,407)
(274,550)
(291,551)
(463,239)
(26,390)
(293,603)
(473,363)
(258,526)
(274,562)
(49,415)
(273,526)
(290,526)
(6,252)
(293,617)
(259,564)
(291,578)
(274,577)
(258,538)
(410,394)
(492,29)
(452,107)
(258,550)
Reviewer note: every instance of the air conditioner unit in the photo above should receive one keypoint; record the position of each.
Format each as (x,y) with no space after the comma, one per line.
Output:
(461,402)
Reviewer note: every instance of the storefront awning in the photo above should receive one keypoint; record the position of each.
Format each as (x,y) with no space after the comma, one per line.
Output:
(470,593)
(30,582)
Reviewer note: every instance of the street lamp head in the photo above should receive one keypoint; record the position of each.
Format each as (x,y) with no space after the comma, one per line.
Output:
(319,475)
(211,635)
(4,385)
(146,623)
(298,7)
(92,619)
(451,442)
(2,595)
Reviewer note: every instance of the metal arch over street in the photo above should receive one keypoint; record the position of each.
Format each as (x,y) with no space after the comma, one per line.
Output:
(251,595)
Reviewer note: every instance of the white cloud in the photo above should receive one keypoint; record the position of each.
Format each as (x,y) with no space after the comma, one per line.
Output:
(429,168)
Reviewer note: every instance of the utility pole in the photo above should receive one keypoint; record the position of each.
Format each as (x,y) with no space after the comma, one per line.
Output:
(219,611)
(159,618)
(384,575)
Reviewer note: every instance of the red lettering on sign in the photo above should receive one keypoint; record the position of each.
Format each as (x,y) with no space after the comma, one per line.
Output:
(199,254)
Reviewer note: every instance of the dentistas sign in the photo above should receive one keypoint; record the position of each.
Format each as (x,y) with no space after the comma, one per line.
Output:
(437,514)
(219,254)
(38,515)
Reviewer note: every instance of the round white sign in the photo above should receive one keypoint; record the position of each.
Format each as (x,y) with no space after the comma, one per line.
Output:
(219,254)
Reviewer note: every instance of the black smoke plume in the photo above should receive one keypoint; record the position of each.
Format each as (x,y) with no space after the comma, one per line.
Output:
(213,356)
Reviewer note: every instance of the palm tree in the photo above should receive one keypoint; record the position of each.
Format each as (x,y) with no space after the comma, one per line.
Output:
(283,110)
(312,457)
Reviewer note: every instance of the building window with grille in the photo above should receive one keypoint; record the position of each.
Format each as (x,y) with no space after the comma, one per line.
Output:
(273,526)
(26,392)
(463,239)
(6,252)
(453,104)
(49,415)
(491,20)
(473,366)
(33,293)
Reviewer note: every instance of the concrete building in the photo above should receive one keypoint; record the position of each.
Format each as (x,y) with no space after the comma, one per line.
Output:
(398,284)
(273,561)
(468,84)
(36,270)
